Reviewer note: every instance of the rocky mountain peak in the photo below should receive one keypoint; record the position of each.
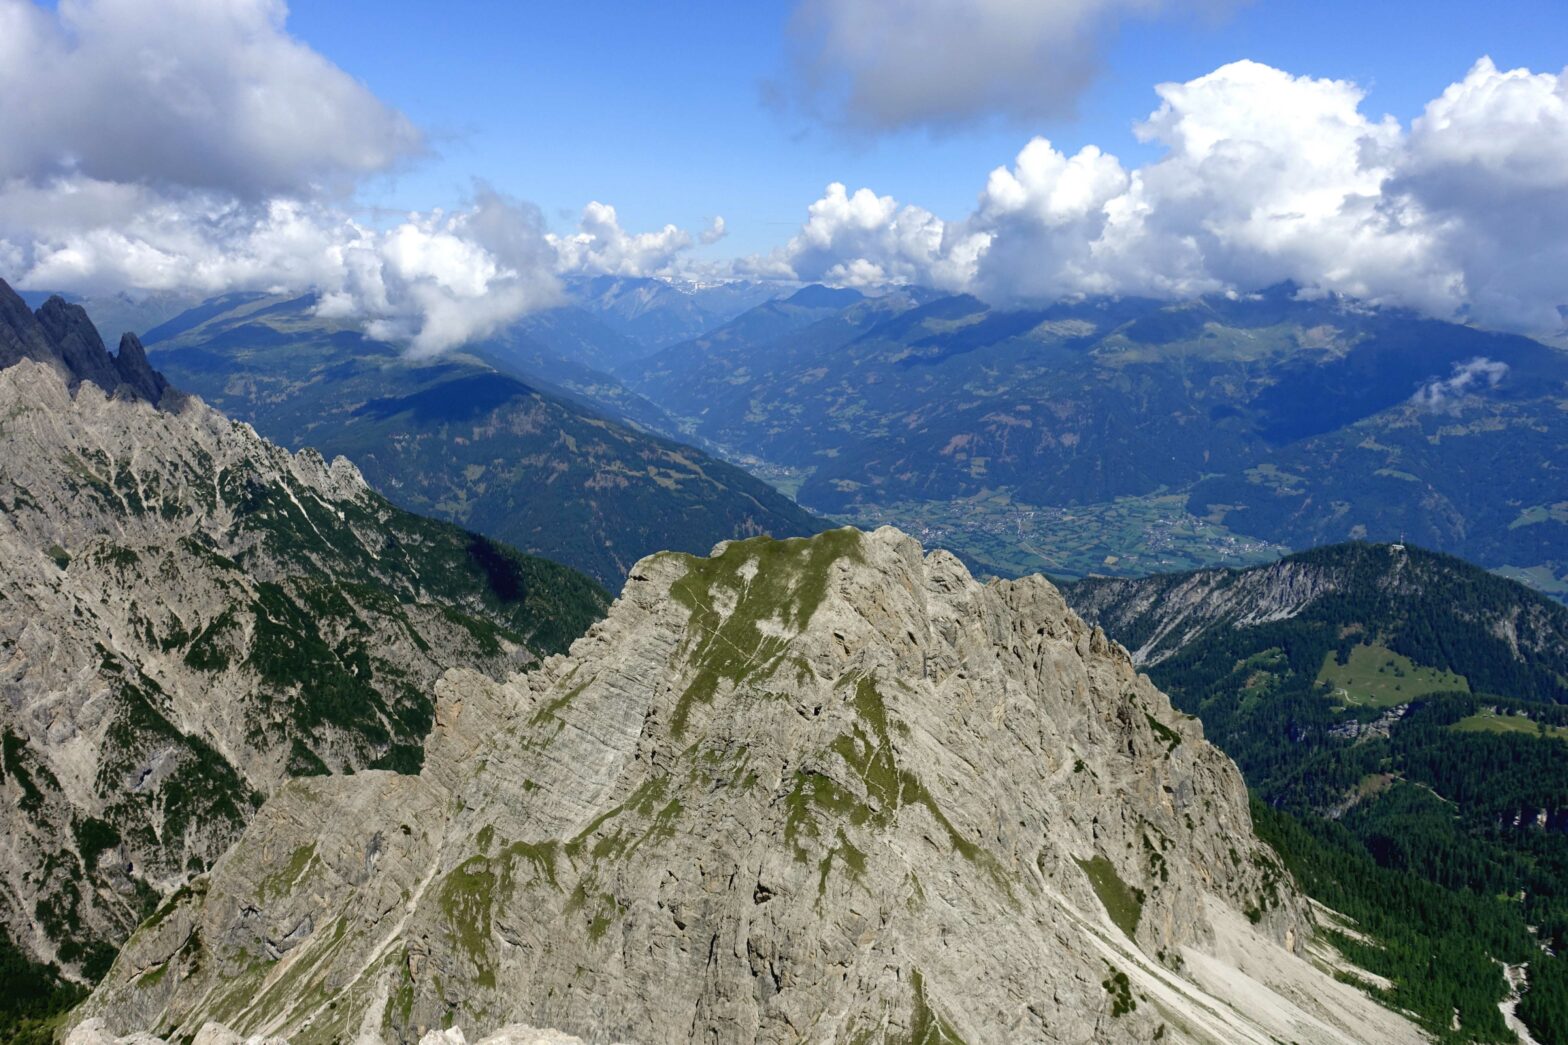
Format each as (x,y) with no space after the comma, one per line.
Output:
(823,789)
(77,344)
(136,372)
(21,335)
(62,335)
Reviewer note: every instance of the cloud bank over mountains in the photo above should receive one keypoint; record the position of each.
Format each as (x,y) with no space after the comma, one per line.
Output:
(195,146)
(1265,177)
(203,94)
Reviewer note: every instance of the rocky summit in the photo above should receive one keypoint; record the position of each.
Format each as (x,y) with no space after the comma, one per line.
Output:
(825,789)
(62,336)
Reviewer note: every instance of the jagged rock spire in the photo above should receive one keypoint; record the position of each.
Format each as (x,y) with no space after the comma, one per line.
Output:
(21,336)
(61,335)
(136,372)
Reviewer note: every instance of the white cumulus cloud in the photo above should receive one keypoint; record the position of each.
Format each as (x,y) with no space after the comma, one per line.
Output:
(715,231)
(431,281)
(1469,377)
(195,146)
(601,247)
(862,239)
(1264,177)
(211,94)
(1487,162)
(440,280)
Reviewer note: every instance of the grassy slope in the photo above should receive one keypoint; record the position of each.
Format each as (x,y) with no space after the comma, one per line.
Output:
(1375,676)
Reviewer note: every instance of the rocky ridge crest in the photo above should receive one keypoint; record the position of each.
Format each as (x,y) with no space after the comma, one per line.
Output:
(1160,616)
(188,616)
(62,336)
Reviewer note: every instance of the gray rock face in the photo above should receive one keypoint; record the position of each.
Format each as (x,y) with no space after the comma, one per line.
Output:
(77,341)
(134,370)
(820,790)
(1160,615)
(21,335)
(93,1033)
(188,616)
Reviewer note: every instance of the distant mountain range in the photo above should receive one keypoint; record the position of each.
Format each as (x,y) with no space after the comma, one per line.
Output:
(652,313)
(1105,436)
(565,468)
(636,315)
(1130,436)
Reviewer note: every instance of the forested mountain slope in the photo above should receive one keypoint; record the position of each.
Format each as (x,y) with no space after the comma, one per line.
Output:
(1409,711)
(468,440)
(1134,436)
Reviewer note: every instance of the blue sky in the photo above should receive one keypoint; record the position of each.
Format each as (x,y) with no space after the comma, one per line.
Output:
(658,108)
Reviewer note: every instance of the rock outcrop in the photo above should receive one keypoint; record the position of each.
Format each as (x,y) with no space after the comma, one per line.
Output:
(190,615)
(826,789)
(62,336)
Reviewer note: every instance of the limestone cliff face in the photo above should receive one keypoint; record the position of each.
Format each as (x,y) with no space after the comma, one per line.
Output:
(1387,586)
(1157,616)
(825,790)
(188,616)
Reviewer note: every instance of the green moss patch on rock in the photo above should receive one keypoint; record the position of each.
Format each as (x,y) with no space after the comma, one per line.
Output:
(1122,902)
(731,594)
